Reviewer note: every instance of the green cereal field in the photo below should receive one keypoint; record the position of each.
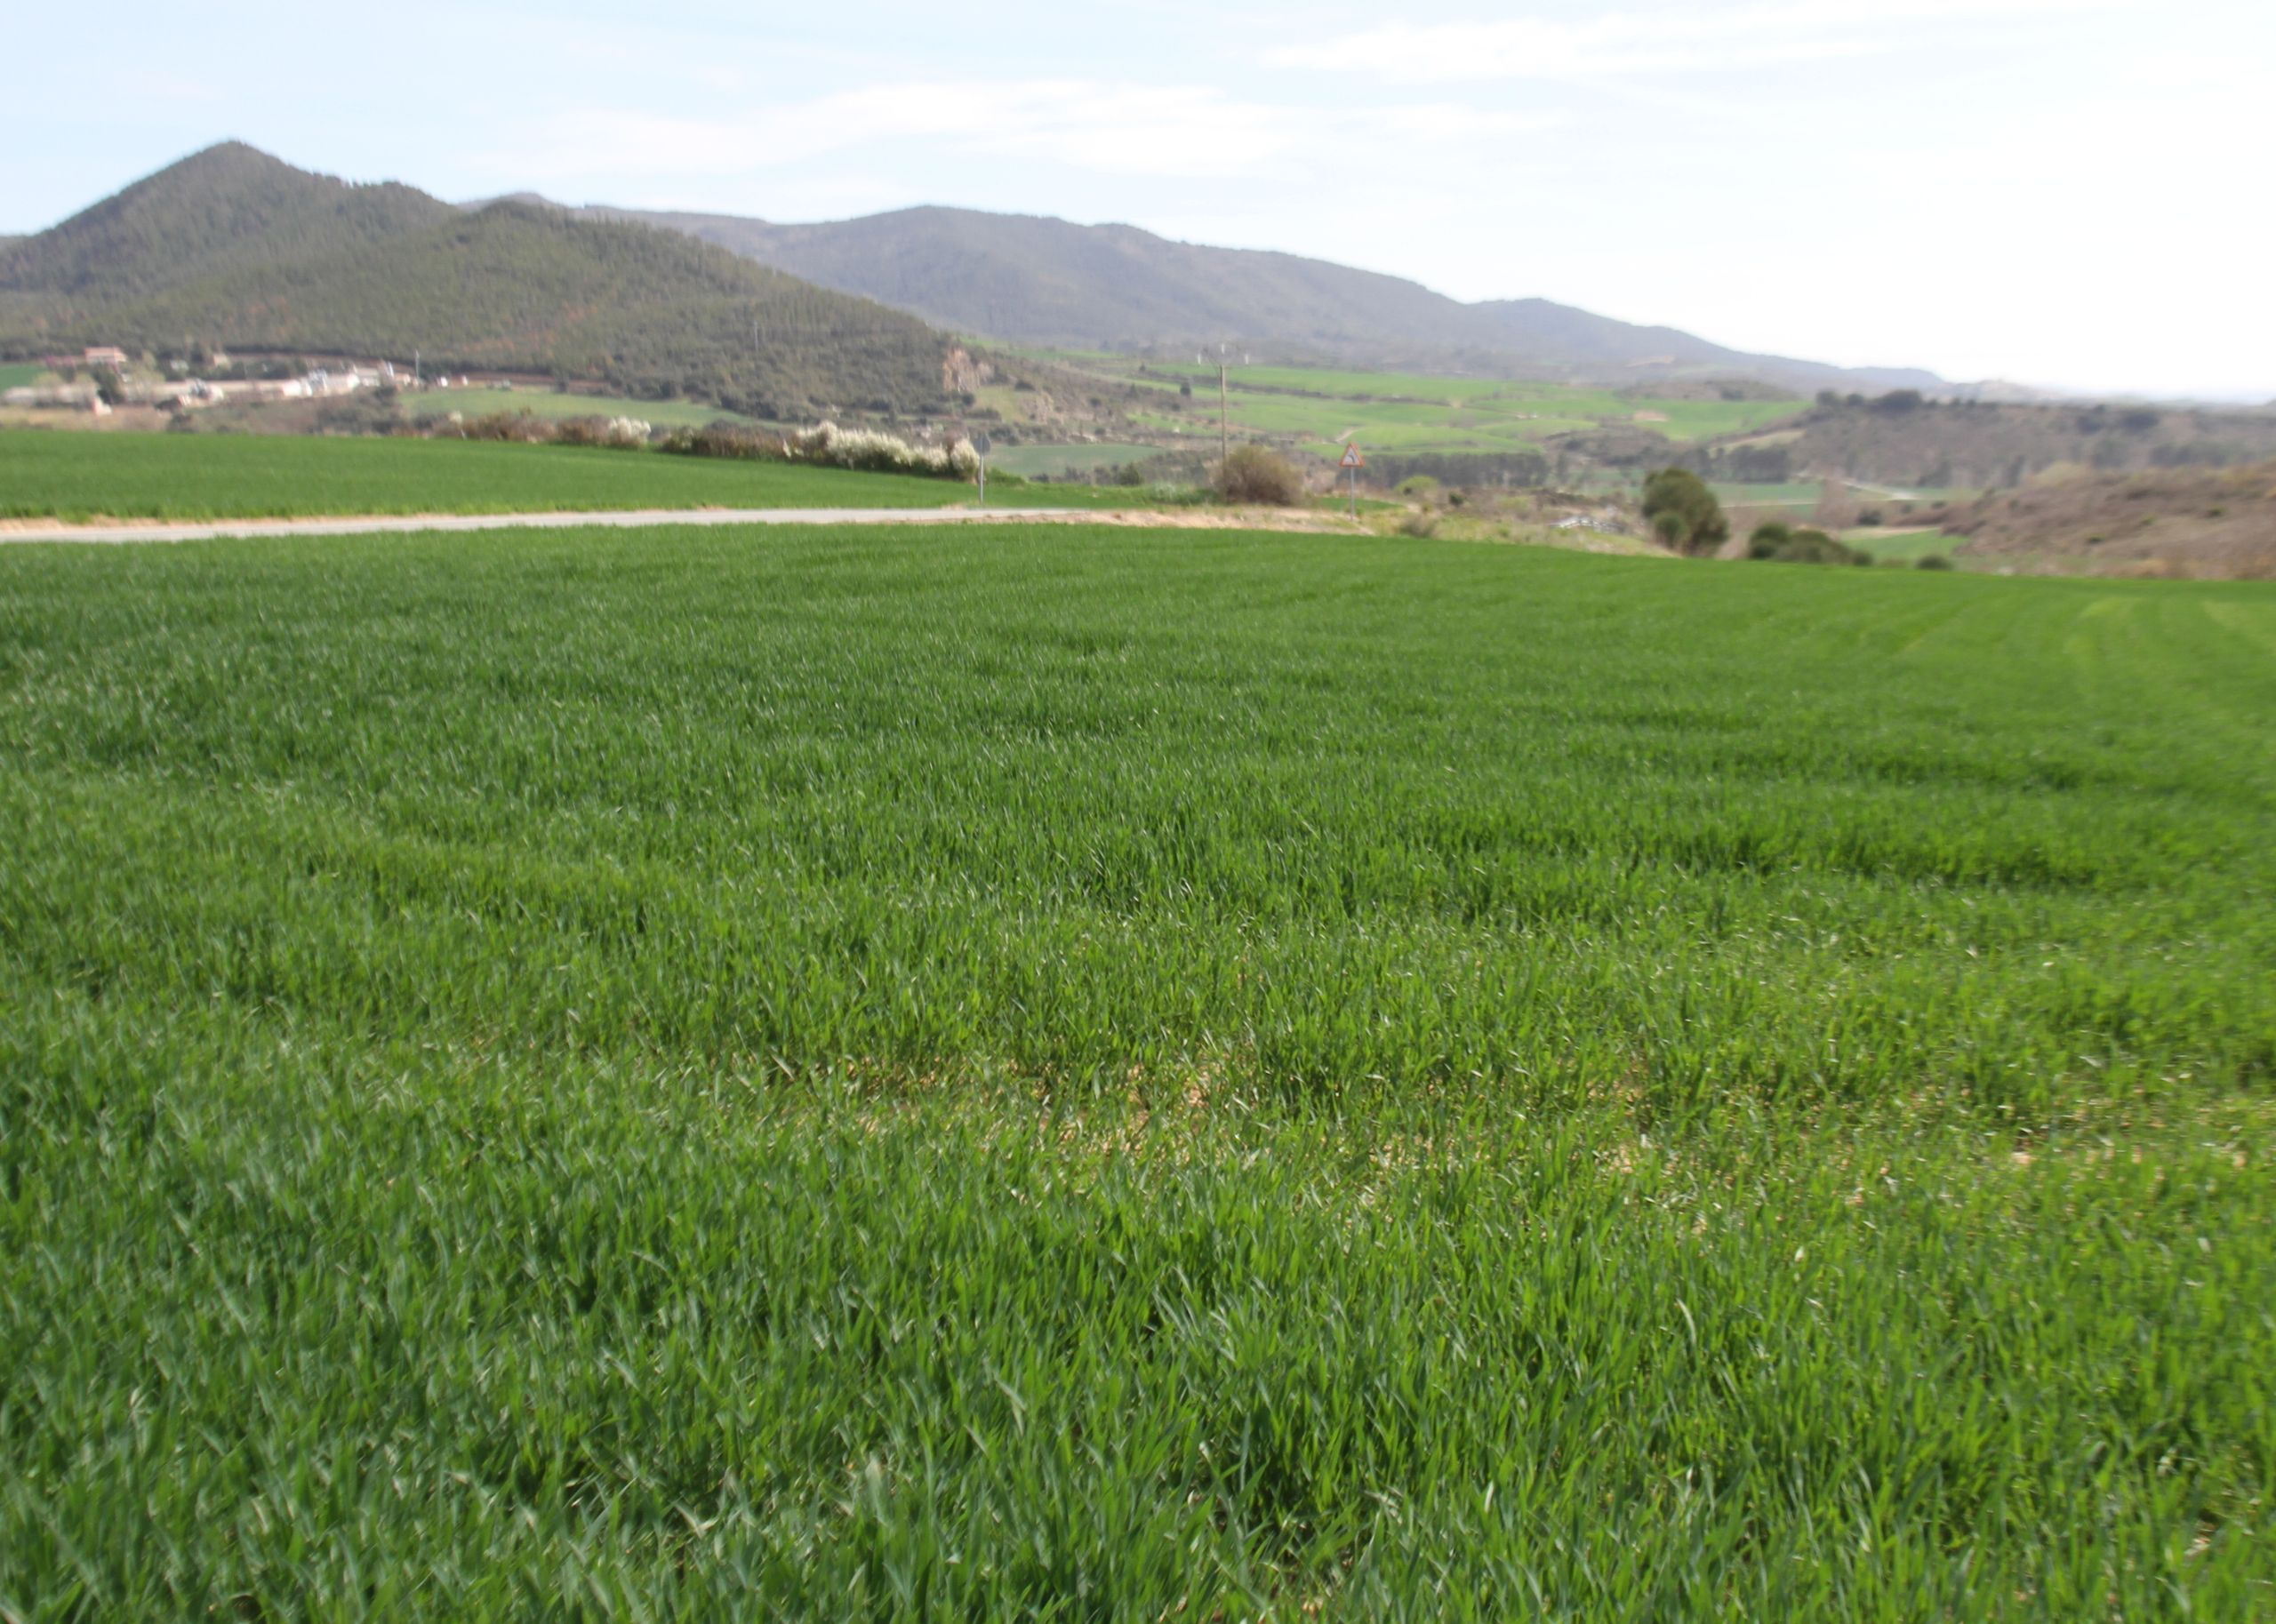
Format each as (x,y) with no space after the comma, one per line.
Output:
(47,474)
(1079,1074)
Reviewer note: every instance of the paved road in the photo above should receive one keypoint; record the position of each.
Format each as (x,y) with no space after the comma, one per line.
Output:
(621,520)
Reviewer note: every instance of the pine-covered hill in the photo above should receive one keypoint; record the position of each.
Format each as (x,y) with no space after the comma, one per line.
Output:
(226,208)
(326,268)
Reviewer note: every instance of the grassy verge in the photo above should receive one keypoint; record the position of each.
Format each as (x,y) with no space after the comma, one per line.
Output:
(891,1073)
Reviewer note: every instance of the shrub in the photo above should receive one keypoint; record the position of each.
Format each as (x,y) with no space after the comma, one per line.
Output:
(869,452)
(1684,512)
(610,434)
(1933,561)
(516,428)
(731,441)
(365,412)
(1776,543)
(1419,485)
(1260,474)
(1421,526)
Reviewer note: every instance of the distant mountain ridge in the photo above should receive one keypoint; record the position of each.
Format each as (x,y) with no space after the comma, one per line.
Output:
(233,248)
(230,248)
(1035,280)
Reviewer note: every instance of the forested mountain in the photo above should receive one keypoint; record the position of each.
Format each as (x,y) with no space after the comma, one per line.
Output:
(226,208)
(1045,281)
(1031,280)
(230,249)
(1599,345)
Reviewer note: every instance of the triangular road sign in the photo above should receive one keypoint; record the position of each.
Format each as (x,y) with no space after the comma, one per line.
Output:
(1352,458)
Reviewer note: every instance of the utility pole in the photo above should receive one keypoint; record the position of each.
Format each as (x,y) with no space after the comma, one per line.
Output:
(1224,410)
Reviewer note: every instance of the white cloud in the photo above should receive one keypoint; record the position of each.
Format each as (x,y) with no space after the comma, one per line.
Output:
(1697,38)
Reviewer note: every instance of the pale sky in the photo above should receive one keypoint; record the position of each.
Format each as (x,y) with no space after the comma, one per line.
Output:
(2064,192)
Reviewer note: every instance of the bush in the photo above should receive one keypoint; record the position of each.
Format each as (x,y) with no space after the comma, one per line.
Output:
(869,451)
(607,433)
(1419,485)
(1684,512)
(1258,473)
(1421,526)
(731,441)
(828,445)
(366,411)
(1777,543)
(1933,561)
(514,428)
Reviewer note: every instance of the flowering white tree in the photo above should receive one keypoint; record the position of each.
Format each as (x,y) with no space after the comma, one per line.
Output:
(871,451)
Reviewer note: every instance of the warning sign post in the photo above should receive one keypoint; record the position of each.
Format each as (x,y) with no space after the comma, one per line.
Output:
(1353,463)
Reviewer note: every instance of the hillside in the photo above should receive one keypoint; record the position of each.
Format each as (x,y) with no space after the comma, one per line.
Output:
(2195,521)
(1592,344)
(227,209)
(232,249)
(1032,280)
(1042,281)
(1976,445)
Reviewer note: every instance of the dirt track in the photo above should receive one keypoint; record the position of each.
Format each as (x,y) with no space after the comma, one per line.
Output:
(644,519)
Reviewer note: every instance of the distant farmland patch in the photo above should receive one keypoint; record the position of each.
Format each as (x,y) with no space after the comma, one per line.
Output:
(1316,409)
(1903,546)
(1056,462)
(547,403)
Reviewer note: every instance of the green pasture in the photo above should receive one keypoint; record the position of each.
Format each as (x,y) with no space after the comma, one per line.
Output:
(20,375)
(1799,493)
(551,406)
(1902,546)
(80,476)
(1055,461)
(1421,411)
(1084,1074)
